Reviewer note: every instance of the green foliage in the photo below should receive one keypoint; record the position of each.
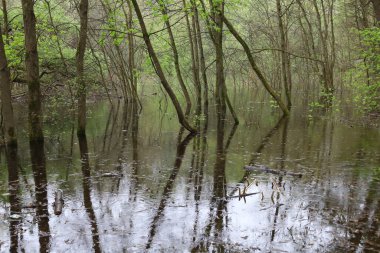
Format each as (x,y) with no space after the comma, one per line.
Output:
(366,74)
(48,38)
(15,49)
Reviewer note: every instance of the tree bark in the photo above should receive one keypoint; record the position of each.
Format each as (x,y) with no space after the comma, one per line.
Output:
(83,15)
(376,7)
(194,54)
(328,57)
(202,62)
(6,22)
(218,11)
(198,85)
(255,68)
(131,52)
(159,71)
(32,71)
(285,60)
(6,97)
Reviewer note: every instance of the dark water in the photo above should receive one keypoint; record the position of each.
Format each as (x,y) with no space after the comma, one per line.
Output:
(138,183)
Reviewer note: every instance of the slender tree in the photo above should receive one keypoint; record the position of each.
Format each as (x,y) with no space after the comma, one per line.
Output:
(175,56)
(285,60)
(6,22)
(194,54)
(182,119)
(217,10)
(255,68)
(83,15)
(32,71)
(202,61)
(6,99)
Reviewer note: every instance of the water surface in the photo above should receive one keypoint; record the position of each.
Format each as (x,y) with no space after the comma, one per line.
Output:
(139,183)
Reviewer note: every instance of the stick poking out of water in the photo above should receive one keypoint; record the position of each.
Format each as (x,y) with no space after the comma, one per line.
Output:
(266,169)
(58,203)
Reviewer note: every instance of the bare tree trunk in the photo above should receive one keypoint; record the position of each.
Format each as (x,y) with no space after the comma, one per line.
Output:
(6,98)
(328,58)
(6,22)
(196,57)
(159,71)
(213,36)
(194,54)
(309,34)
(176,58)
(99,64)
(285,60)
(83,15)
(202,62)
(32,71)
(217,12)
(255,68)
(376,7)
(131,52)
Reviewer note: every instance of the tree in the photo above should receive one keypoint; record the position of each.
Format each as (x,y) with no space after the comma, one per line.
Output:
(6,22)
(157,66)
(175,55)
(285,60)
(217,12)
(255,68)
(32,71)
(81,49)
(6,99)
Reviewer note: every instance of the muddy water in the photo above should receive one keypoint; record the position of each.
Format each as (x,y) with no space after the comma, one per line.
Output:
(138,183)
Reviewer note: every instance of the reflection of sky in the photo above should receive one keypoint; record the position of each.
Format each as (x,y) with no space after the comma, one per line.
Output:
(301,226)
(316,214)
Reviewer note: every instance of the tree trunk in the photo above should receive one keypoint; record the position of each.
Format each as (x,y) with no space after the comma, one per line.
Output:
(195,34)
(285,60)
(131,52)
(202,62)
(376,7)
(194,54)
(32,71)
(83,15)
(328,57)
(218,10)
(255,68)
(176,58)
(159,71)
(6,22)
(6,98)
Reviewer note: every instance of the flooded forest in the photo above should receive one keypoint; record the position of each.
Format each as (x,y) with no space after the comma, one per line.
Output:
(190,126)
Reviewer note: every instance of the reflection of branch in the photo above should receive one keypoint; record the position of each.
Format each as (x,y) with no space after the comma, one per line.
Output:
(181,148)
(229,139)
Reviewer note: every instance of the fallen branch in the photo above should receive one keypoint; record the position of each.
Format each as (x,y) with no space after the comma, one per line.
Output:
(58,203)
(265,169)
(243,195)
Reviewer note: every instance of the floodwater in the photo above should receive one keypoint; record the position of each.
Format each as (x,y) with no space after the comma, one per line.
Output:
(138,183)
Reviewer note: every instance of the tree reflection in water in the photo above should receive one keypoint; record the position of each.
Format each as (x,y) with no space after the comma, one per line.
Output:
(86,173)
(40,180)
(218,207)
(181,148)
(14,198)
